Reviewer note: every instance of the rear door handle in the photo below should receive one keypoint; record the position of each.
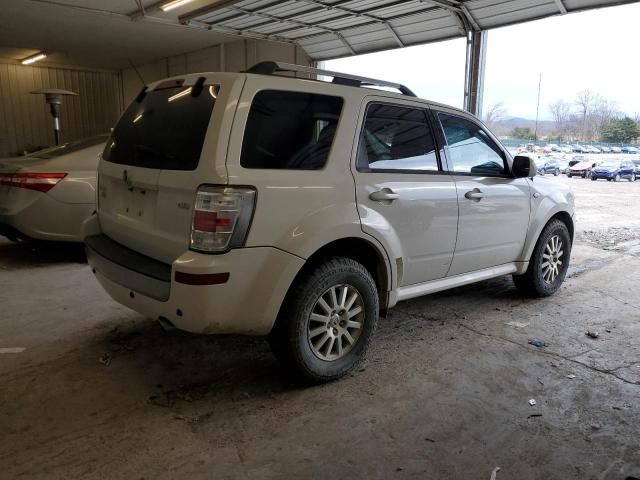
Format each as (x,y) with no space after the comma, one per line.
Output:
(384,195)
(474,194)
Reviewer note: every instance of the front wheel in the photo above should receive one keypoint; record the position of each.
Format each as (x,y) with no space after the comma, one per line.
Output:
(632,178)
(616,178)
(549,262)
(327,321)
(593,179)
(556,173)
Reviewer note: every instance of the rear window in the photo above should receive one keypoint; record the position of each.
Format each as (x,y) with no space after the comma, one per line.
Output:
(165,130)
(290,130)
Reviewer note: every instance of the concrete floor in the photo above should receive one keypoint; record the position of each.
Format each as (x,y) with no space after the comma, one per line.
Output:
(444,393)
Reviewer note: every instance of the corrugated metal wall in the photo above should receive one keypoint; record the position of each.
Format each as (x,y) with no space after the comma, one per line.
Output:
(25,121)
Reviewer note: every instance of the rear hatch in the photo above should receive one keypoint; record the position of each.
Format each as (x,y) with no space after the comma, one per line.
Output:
(163,147)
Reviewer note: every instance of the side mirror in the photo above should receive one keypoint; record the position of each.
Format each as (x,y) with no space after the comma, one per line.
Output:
(523,166)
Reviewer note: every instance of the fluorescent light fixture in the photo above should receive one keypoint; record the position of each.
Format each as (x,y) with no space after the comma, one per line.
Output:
(181,94)
(174,4)
(34,58)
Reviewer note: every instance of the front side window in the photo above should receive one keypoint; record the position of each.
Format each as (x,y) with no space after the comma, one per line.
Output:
(470,149)
(396,138)
(290,130)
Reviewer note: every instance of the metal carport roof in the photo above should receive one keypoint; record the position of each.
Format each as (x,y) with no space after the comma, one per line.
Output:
(336,28)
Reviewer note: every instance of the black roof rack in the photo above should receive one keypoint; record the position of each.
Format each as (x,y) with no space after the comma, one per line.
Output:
(272,68)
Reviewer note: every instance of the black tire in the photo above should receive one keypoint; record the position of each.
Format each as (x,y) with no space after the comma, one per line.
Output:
(290,340)
(632,178)
(593,179)
(616,178)
(532,282)
(556,173)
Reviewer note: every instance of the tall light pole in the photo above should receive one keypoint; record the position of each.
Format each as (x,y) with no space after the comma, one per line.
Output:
(535,132)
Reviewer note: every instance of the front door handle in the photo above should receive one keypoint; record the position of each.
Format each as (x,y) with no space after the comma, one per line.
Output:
(384,195)
(474,194)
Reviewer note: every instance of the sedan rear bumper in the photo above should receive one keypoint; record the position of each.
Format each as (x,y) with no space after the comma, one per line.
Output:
(47,219)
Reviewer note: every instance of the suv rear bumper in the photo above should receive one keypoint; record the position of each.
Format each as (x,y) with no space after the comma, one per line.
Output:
(247,303)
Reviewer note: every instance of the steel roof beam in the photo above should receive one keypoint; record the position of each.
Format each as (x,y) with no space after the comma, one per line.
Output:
(561,7)
(274,18)
(355,13)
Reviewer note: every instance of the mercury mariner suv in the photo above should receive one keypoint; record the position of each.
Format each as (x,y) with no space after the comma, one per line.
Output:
(263,204)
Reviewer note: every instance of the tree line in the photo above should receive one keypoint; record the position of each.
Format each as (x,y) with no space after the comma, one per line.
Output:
(590,117)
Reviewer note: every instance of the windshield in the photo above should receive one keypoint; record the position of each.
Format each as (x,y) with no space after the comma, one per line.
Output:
(70,147)
(165,130)
(609,164)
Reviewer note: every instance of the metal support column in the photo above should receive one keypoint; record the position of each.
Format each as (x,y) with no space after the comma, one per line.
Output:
(474,71)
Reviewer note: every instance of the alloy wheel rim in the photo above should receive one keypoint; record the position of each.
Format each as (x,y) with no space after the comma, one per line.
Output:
(335,322)
(552,259)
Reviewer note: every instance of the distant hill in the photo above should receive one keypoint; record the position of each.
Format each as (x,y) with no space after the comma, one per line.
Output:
(505,126)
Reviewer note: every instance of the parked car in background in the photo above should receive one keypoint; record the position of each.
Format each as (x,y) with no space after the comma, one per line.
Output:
(580,169)
(615,170)
(564,166)
(47,194)
(604,149)
(616,150)
(580,149)
(550,166)
(593,149)
(633,150)
(636,167)
(238,206)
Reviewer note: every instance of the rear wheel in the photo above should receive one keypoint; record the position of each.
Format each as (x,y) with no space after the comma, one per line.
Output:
(325,326)
(616,178)
(593,179)
(549,262)
(632,178)
(556,173)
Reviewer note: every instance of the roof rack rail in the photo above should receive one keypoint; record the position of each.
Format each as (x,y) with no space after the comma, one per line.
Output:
(272,68)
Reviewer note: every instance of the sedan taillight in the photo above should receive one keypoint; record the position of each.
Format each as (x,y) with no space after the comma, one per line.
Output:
(221,218)
(41,182)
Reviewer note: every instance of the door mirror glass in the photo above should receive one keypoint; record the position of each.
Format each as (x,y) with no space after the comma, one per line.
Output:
(523,166)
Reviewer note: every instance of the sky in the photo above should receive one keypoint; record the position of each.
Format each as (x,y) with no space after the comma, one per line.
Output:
(595,50)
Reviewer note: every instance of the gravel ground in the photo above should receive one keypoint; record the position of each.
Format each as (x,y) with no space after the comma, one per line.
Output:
(93,390)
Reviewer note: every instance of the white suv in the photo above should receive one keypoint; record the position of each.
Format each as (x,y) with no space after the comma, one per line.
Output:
(262,204)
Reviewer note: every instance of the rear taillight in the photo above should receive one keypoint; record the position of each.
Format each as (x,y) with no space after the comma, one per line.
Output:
(221,218)
(41,182)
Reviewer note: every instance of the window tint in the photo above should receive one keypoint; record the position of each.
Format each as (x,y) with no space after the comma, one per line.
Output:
(470,150)
(165,130)
(396,138)
(290,130)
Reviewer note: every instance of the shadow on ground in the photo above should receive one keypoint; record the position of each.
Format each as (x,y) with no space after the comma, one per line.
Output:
(25,254)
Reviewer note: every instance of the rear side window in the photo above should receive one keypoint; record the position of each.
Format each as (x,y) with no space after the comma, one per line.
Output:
(470,149)
(396,138)
(290,130)
(165,130)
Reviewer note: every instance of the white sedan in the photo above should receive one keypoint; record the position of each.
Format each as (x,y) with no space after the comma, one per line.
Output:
(47,195)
